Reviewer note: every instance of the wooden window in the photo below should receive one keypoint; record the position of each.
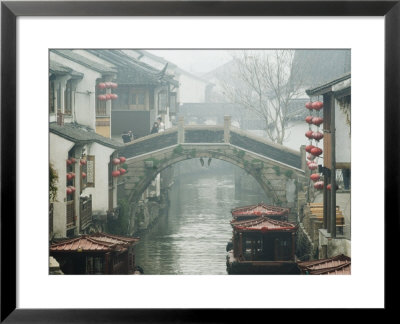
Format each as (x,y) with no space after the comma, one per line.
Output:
(140,99)
(162,101)
(100,104)
(68,98)
(52,97)
(137,99)
(90,171)
(83,179)
(58,96)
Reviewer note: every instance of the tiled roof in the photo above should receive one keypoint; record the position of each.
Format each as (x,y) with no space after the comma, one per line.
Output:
(323,88)
(259,210)
(263,224)
(338,265)
(81,134)
(71,55)
(99,242)
(58,68)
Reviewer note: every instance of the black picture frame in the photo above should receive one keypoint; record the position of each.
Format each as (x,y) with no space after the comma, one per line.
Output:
(10,10)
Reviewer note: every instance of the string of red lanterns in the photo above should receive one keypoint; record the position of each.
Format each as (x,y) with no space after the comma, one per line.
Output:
(313,150)
(108,96)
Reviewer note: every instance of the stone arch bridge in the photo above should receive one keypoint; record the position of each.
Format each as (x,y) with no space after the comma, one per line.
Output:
(278,169)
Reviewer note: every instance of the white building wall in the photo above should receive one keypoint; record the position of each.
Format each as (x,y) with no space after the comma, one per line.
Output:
(59,148)
(342,135)
(100,190)
(84,111)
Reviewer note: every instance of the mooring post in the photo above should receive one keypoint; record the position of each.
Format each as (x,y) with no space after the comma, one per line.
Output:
(227,128)
(181,130)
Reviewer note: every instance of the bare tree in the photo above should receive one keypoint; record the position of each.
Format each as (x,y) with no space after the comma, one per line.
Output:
(265,82)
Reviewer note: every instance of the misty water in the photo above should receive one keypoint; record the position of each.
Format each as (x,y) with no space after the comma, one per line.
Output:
(192,238)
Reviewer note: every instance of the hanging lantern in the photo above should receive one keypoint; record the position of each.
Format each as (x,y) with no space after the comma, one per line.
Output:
(311,157)
(73,160)
(83,162)
(83,175)
(114,85)
(116,161)
(102,97)
(317,105)
(313,166)
(317,121)
(319,185)
(122,159)
(72,188)
(316,151)
(315,177)
(309,148)
(101,85)
(309,134)
(108,96)
(69,191)
(309,119)
(108,85)
(113,96)
(115,173)
(309,162)
(122,171)
(329,187)
(309,105)
(69,176)
(318,136)
(69,162)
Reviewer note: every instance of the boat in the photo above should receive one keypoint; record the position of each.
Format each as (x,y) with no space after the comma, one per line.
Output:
(337,265)
(258,210)
(262,245)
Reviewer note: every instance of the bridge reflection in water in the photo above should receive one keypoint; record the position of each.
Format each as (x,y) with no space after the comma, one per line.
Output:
(192,239)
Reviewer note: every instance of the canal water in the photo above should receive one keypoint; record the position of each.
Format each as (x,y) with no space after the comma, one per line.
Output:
(192,238)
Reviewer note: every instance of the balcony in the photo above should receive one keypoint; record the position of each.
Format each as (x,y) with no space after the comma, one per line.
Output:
(85,212)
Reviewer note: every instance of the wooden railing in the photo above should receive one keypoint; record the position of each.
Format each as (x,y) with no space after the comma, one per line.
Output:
(85,212)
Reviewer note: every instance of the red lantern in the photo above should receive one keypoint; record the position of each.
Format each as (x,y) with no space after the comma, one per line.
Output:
(122,171)
(309,162)
(319,185)
(83,162)
(311,157)
(309,148)
(309,119)
(83,175)
(313,166)
(122,159)
(69,162)
(115,173)
(69,176)
(318,136)
(102,97)
(73,160)
(108,96)
(317,105)
(316,151)
(309,134)
(315,177)
(72,189)
(329,186)
(113,96)
(108,85)
(101,85)
(69,191)
(116,161)
(309,105)
(317,121)
(114,85)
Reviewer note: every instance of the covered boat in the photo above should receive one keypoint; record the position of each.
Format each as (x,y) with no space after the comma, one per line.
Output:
(262,246)
(98,253)
(261,209)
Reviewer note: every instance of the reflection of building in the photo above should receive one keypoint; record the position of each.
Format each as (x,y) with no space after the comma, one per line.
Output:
(336,96)
(95,254)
